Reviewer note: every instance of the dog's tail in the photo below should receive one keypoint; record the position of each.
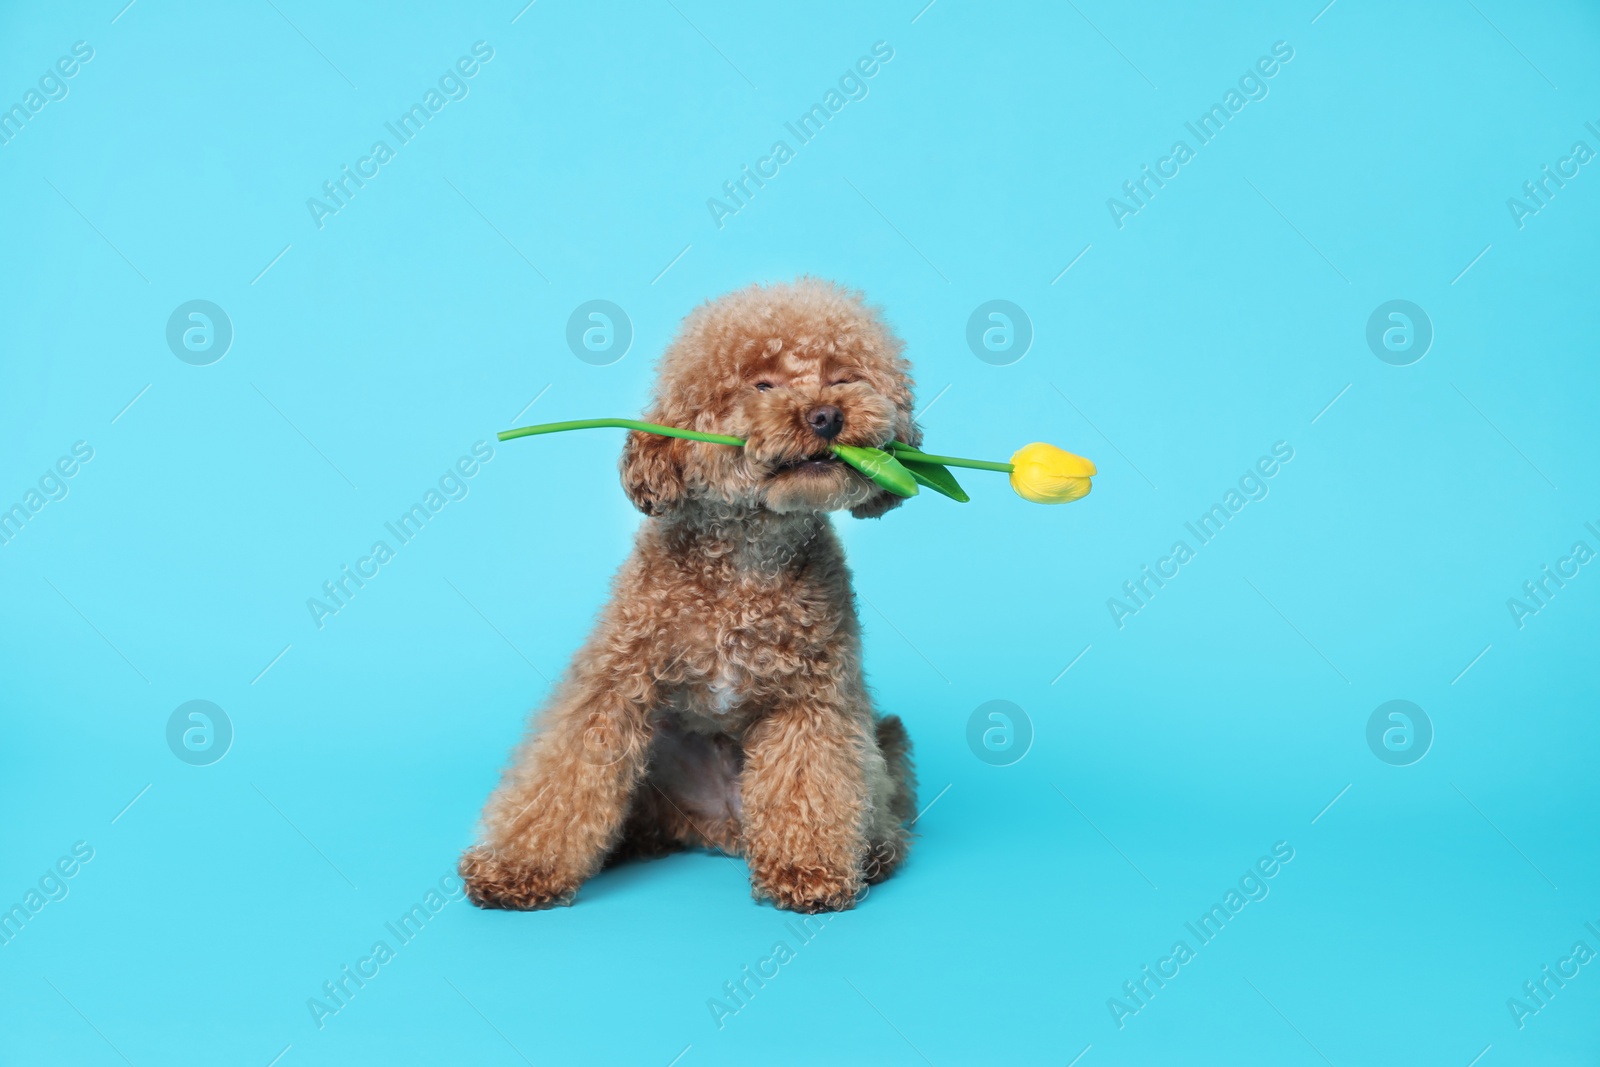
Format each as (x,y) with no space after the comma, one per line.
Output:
(896,748)
(893,835)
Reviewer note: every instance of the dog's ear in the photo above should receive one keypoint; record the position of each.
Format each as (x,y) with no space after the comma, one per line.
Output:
(652,471)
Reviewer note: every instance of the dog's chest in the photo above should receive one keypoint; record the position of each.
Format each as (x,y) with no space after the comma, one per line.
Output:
(753,651)
(722,702)
(722,693)
(741,630)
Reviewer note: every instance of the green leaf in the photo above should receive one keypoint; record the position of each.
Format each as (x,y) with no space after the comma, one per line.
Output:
(880,468)
(935,476)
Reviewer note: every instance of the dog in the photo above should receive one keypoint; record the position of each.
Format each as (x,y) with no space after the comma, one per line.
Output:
(719,701)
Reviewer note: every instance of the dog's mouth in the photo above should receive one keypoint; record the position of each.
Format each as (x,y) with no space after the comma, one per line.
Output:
(807,465)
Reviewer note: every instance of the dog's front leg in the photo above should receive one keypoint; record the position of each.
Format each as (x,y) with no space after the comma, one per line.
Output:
(548,826)
(804,793)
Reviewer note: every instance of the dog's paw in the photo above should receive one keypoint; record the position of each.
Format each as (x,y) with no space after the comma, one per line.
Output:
(808,890)
(494,882)
(884,858)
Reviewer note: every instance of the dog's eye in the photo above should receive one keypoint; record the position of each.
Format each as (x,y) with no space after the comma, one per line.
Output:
(843,381)
(762,387)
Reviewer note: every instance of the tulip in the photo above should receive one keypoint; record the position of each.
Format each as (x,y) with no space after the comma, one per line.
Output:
(1046,474)
(1039,472)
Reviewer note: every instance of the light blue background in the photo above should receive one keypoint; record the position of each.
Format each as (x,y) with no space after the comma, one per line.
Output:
(1223,317)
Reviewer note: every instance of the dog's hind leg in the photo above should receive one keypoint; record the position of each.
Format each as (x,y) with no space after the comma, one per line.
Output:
(561,805)
(894,801)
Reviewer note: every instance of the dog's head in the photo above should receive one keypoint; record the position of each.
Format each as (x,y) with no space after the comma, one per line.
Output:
(793,369)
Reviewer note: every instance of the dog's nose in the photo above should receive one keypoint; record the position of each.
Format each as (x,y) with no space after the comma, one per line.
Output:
(826,421)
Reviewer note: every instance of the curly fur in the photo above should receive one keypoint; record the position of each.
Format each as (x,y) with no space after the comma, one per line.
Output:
(719,701)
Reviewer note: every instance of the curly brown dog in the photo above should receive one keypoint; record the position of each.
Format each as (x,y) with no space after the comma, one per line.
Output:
(720,701)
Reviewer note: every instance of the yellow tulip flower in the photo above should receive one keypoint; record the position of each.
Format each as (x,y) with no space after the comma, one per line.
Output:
(1046,474)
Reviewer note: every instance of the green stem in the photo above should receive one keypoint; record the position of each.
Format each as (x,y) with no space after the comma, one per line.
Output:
(895,448)
(902,451)
(620,424)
